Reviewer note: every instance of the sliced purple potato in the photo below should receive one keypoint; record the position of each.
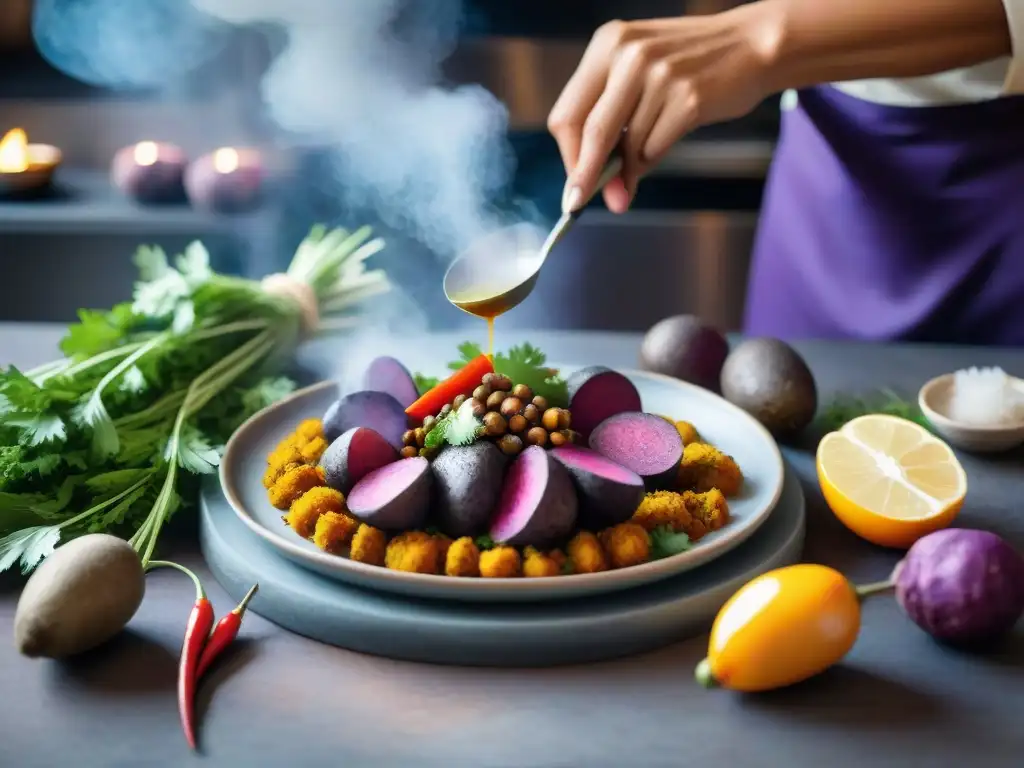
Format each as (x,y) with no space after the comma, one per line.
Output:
(538,504)
(608,492)
(595,393)
(467,485)
(643,443)
(377,410)
(353,456)
(395,497)
(386,374)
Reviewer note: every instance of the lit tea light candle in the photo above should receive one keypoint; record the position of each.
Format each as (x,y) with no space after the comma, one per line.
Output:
(26,168)
(150,172)
(228,180)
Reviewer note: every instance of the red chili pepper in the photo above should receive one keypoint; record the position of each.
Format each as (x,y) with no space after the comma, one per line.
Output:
(196,632)
(224,633)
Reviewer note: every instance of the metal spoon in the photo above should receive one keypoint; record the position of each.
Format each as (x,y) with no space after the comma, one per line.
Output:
(498,272)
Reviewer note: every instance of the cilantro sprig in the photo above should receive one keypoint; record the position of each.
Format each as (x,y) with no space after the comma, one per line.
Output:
(114,436)
(524,364)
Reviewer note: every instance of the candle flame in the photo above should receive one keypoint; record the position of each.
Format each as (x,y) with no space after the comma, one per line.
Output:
(225,160)
(146,152)
(14,152)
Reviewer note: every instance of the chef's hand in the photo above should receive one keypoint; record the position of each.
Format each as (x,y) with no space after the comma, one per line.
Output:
(658,80)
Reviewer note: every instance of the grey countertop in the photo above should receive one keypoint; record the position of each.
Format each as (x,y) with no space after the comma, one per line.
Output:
(897,700)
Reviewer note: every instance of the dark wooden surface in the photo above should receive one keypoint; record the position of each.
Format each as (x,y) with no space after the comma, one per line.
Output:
(897,700)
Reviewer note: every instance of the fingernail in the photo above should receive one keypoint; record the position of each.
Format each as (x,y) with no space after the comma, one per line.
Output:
(572,200)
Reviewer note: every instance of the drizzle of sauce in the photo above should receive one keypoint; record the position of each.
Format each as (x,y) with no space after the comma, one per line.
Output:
(487,308)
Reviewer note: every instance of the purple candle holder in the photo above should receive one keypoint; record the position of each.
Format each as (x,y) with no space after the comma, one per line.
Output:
(150,172)
(227,180)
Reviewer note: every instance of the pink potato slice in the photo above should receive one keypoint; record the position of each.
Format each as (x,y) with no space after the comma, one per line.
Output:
(538,505)
(395,497)
(643,443)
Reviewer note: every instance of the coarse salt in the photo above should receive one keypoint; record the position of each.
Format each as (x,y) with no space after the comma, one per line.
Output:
(985,397)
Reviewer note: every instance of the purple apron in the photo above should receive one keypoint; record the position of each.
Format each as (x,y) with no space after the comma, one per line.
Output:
(902,223)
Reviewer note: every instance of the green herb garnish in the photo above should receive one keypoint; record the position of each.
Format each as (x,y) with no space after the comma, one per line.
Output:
(524,364)
(464,428)
(665,542)
(456,428)
(483,543)
(424,383)
(114,436)
(886,401)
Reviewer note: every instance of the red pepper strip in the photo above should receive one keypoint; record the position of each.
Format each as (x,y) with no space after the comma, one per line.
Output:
(224,633)
(462,382)
(196,632)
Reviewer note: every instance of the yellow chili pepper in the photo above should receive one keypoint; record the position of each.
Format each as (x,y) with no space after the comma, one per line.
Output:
(783,627)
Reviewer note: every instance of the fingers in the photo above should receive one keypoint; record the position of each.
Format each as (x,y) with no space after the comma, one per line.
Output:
(603,128)
(568,115)
(678,117)
(640,125)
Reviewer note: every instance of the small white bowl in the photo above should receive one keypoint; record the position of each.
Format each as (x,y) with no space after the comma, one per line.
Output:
(933,400)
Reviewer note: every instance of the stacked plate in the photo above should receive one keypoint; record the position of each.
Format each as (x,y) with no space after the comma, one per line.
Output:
(506,621)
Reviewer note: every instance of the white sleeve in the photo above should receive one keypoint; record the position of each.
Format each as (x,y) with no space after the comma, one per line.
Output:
(1014,83)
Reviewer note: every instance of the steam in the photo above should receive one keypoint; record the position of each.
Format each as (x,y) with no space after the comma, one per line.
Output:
(359,77)
(425,157)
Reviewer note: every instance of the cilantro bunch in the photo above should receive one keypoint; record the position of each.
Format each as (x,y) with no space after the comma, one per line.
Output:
(114,436)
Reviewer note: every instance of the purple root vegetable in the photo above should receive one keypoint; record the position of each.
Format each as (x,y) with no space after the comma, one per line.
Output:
(395,497)
(596,393)
(353,456)
(961,586)
(386,374)
(377,410)
(643,443)
(608,493)
(686,348)
(468,480)
(538,504)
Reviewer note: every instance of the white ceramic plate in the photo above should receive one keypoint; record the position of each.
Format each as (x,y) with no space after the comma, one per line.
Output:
(718,421)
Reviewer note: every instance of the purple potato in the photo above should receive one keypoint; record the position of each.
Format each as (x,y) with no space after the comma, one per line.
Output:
(386,374)
(595,393)
(961,586)
(353,456)
(686,348)
(608,493)
(538,505)
(377,410)
(468,481)
(395,497)
(643,443)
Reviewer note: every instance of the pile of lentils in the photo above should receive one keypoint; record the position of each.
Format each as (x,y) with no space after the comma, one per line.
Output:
(513,417)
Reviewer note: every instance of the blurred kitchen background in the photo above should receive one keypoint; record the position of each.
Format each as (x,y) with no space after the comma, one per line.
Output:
(685,247)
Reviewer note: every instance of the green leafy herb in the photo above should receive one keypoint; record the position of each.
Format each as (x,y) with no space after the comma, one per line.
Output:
(886,401)
(524,364)
(438,435)
(665,542)
(425,383)
(464,428)
(114,436)
(568,568)
(483,543)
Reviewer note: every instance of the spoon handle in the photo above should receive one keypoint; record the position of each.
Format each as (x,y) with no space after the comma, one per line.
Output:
(612,168)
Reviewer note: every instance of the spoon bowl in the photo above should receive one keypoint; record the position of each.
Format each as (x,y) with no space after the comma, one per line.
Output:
(497,272)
